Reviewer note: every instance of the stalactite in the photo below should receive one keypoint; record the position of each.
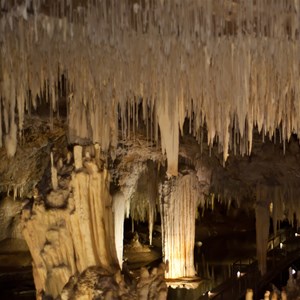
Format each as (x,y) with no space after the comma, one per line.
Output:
(119,216)
(278,207)
(144,199)
(54,180)
(235,70)
(151,219)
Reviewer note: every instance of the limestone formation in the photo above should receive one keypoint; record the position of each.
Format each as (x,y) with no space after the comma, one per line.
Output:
(115,109)
(98,283)
(178,206)
(71,230)
(229,66)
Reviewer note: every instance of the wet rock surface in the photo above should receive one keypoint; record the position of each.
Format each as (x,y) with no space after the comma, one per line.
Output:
(97,283)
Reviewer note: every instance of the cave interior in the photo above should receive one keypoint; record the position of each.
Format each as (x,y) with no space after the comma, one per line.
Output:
(144,141)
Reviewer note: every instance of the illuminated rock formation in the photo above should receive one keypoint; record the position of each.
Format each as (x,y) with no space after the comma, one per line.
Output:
(119,216)
(72,229)
(111,71)
(98,282)
(166,57)
(178,212)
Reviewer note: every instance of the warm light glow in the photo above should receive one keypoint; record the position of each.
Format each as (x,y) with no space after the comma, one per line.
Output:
(281,245)
(238,274)
(296,234)
(271,207)
(210,294)
(293,272)
(178,242)
(187,283)
(199,244)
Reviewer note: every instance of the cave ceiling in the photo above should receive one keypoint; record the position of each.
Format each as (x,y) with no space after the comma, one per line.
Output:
(131,77)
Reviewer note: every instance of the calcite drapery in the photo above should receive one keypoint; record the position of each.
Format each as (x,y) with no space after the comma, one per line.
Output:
(178,205)
(92,225)
(119,216)
(226,65)
(78,233)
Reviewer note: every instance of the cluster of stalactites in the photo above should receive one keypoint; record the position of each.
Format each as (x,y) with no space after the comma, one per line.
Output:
(230,65)
(283,203)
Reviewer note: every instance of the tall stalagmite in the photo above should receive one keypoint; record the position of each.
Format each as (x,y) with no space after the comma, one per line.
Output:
(179,200)
(72,229)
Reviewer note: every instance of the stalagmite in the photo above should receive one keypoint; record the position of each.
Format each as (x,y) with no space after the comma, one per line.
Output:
(283,295)
(76,234)
(78,157)
(93,224)
(267,295)
(178,207)
(249,294)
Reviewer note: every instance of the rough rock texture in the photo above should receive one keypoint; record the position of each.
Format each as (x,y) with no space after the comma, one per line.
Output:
(50,243)
(160,55)
(223,69)
(21,174)
(179,199)
(10,212)
(98,283)
(71,229)
(212,71)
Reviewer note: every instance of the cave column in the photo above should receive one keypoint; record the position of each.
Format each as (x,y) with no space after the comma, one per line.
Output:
(178,204)
(72,227)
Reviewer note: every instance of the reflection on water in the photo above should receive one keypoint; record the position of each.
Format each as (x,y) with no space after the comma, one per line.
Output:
(17,284)
(214,263)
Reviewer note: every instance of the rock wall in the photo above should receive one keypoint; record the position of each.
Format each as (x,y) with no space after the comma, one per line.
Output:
(72,229)
(10,211)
